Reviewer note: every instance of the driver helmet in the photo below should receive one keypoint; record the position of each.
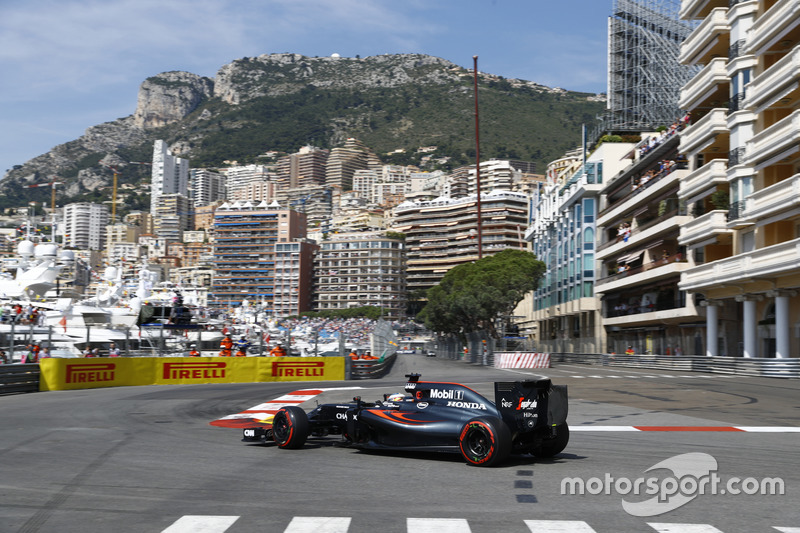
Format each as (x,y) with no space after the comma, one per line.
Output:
(396,397)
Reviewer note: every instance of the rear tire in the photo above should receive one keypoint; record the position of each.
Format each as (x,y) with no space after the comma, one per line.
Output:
(485,441)
(290,427)
(554,446)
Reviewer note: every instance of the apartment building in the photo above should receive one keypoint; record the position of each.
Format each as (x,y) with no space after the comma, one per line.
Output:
(245,239)
(563,315)
(170,174)
(174,214)
(206,187)
(744,144)
(85,225)
(640,257)
(344,161)
(443,233)
(361,269)
(294,267)
(301,169)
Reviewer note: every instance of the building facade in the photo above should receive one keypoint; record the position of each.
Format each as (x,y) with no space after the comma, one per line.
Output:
(744,146)
(361,269)
(85,225)
(170,175)
(245,239)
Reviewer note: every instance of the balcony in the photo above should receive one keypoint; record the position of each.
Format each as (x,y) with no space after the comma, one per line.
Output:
(708,41)
(702,182)
(773,200)
(775,143)
(642,234)
(704,228)
(778,82)
(766,263)
(702,134)
(640,197)
(773,26)
(645,274)
(706,85)
(698,9)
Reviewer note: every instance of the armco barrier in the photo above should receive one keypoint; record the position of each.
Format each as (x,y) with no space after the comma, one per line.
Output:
(19,378)
(67,374)
(750,366)
(371,368)
(521,360)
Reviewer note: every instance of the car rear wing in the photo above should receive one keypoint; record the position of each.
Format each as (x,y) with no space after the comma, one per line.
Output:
(531,404)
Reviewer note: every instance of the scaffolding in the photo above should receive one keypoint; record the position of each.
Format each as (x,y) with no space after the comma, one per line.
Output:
(644,76)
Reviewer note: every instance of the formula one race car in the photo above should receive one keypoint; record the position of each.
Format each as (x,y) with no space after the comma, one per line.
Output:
(526,417)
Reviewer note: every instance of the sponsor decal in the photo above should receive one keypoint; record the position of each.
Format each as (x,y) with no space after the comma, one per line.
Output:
(341,416)
(422,405)
(90,372)
(526,405)
(411,386)
(467,405)
(194,370)
(249,433)
(506,403)
(300,369)
(447,394)
(530,415)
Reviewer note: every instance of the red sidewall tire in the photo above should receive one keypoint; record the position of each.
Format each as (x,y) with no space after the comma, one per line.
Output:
(485,441)
(290,427)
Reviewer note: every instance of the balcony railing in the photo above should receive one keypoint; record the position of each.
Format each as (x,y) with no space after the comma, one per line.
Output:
(709,175)
(780,138)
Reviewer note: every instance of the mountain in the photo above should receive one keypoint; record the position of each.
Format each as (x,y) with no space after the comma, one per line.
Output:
(280,102)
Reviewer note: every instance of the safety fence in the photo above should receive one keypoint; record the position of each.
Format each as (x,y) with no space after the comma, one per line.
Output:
(743,366)
(19,378)
(370,368)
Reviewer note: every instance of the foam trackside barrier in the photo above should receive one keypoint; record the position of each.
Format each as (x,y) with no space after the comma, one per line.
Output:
(522,360)
(80,373)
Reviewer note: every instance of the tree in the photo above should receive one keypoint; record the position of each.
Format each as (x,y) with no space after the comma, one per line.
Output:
(472,296)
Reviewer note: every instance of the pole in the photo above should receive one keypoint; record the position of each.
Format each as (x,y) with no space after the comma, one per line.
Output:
(114,197)
(478,161)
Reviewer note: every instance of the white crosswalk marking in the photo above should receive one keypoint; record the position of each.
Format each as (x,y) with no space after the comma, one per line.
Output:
(437,525)
(201,524)
(684,528)
(318,524)
(788,529)
(558,526)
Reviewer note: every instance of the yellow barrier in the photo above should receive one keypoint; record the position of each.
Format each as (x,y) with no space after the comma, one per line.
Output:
(69,374)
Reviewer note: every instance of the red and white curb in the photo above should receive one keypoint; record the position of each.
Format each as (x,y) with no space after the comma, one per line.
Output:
(264,412)
(740,429)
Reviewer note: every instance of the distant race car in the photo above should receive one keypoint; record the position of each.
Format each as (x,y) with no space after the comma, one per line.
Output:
(526,417)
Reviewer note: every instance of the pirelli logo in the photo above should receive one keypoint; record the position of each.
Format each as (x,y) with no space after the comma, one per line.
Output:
(90,372)
(194,370)
(300,369)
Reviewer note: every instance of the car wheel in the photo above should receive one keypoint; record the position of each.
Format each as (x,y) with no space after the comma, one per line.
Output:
(290,427)
(556,445)
(485,441)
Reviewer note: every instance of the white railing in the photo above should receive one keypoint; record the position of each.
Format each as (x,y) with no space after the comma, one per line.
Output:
(774,199)
(714,24)
(771,24)
(714,123)
(775,79)
(709,175)
(715,73)
(781,136)
(704,227)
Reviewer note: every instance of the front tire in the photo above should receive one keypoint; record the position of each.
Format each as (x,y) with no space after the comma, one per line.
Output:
(485,441)
(554,446)
(290,427)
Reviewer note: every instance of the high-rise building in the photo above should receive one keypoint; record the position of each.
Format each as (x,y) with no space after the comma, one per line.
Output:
(245,239)
(344,161)
(443,233)
(170,175)
(304,168)
(743,148)
(240,178)
(361,269)
(85,225)
(174,215)
(207,187)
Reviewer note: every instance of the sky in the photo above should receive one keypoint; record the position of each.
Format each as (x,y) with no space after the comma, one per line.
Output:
(66,65)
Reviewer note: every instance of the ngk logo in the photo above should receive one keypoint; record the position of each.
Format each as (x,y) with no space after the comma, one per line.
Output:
(298,369)
(194,370)
(90,372)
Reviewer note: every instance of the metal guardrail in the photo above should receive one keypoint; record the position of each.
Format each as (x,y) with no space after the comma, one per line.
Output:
(19,378)
(750,366)
(370,368)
